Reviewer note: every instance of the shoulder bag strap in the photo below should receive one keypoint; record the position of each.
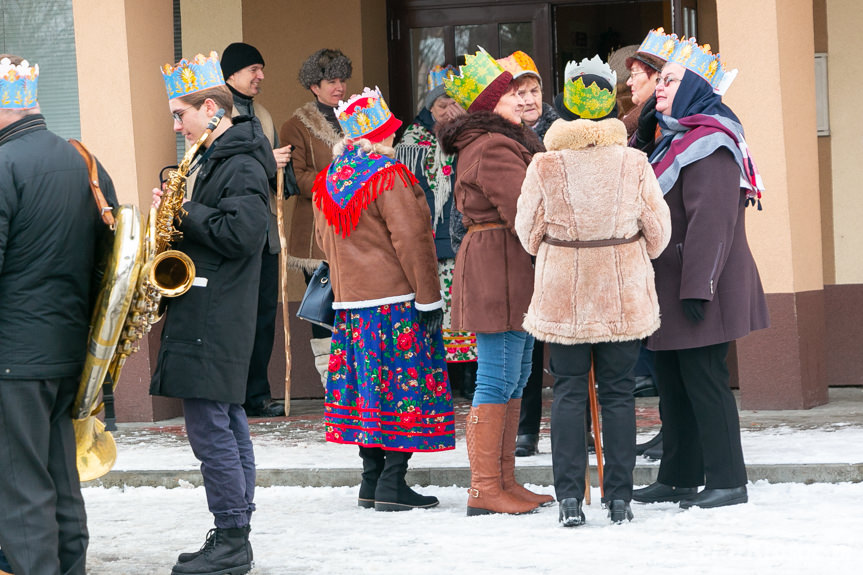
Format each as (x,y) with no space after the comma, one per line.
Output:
(101,203)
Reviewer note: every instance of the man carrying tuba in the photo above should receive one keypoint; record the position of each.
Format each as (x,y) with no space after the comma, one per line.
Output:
(50,226)
(209,330)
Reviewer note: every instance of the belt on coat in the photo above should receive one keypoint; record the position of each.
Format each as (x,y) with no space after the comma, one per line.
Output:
(590,243)
(487,226)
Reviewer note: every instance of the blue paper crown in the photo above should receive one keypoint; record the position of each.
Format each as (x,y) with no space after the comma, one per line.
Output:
(188,77)
(438,74)
(363,114)
(700,60)
(18,85)
(659,44)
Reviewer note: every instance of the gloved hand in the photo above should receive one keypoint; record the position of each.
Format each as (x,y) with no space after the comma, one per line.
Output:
(645,134)
(693,309)
(432,320)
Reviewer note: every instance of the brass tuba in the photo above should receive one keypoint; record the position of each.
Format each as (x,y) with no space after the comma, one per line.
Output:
(141,269)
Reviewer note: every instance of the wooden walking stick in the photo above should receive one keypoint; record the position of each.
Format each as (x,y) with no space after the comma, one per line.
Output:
(597,427)
(283,268)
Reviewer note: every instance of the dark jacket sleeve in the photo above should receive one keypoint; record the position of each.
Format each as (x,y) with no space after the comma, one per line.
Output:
(8,206)
(294,133)
(711,197)
(237,226)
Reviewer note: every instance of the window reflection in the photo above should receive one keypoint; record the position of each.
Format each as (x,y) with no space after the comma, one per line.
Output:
(515,36)
(427,51)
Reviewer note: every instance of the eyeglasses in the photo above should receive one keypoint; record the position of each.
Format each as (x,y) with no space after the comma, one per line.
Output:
(667,81)
(178,116)
(636,73)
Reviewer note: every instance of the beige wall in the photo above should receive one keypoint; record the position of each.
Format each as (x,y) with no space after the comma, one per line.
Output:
(775,98)
(210,25)
(844,70)
(124,115)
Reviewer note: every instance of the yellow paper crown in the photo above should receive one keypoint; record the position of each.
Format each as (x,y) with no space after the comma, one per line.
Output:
(477,74)
(520,64)
(589,102)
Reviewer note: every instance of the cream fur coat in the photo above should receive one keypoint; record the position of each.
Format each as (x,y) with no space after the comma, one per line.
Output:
(590,186)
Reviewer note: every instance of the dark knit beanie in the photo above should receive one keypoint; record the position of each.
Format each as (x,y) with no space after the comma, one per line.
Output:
(491,95)
(237,56)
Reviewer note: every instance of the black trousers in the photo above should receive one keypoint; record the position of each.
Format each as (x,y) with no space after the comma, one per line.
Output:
(531,395)
(613,367)
(257,384)
(318,332)
(43,528)
(700,423)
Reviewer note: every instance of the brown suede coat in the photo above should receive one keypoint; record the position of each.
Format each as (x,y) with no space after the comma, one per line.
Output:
(312,138)
(492,283)
(708,258)
(389,257)
(589,186)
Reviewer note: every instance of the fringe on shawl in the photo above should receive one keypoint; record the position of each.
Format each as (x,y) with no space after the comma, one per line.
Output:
(344,220)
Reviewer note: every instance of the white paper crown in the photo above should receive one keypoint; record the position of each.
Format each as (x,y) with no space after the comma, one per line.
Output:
(593,66)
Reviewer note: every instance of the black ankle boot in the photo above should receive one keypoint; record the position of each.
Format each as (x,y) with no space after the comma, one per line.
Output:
(373,465)
(392,493)
(570,513)
(650,444)
(4,564)
(619,510)
(225,552)
(526,444)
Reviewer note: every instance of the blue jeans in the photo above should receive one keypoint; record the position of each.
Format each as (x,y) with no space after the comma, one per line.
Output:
(503,366)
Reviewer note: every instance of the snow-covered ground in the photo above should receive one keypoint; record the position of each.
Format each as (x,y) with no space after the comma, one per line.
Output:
(834,444)
(785,529)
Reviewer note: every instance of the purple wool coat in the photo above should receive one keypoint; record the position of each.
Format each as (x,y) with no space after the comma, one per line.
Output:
(708,258)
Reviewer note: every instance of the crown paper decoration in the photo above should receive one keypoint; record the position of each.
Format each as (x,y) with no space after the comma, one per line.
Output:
(438,74)
(477,74)
(519,64)
(659,44)
(366,115)
(18,85)
(700,60)
(187,77)
(589,102)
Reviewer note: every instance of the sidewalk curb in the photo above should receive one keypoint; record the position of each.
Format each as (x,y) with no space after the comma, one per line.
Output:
(460,476)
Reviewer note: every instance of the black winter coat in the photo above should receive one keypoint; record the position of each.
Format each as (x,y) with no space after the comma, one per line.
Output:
(209,331)
(49,227)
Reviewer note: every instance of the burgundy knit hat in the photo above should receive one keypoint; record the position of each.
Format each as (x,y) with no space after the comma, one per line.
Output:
(489,97)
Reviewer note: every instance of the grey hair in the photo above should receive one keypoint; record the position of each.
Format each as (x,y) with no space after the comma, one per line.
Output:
(367,147)
(324,64)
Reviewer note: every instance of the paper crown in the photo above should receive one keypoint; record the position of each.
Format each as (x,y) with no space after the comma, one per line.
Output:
(478,73)
(187,77)
(18,84)
(438,74)
(591,101)
(520,64)
(658,44)
(700,60)
(366,115)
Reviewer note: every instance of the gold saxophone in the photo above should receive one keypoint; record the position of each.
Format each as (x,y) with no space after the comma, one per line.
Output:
(141,269)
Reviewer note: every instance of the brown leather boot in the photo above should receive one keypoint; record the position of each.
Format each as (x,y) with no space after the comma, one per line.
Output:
(507,459)
(484,434)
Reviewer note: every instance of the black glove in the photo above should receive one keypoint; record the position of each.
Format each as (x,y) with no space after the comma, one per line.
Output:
(645,134)
(432,320)
(693,309)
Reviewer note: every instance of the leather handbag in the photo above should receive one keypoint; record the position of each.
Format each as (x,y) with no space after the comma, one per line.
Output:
(317,304)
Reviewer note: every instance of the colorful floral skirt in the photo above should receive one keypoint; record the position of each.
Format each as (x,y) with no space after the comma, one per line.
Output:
(388,384)
(460,345)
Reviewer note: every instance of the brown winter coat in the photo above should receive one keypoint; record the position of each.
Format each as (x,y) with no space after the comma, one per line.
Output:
(589,186)
(709,261)
(312,138)
(389,257)
(492,283)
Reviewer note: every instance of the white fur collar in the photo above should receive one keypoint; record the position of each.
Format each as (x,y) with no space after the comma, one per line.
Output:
(581,133)
(312,119)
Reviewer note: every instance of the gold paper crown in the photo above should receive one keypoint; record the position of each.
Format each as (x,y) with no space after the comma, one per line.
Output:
(477,74)
(190,76)
(520,64)
(701,61)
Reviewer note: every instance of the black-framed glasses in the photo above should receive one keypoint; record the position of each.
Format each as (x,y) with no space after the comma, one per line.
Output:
(667,81)
(178,116)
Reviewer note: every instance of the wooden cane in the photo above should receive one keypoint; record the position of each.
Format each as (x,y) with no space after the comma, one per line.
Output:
(597,428)
(586,475)
(283,268)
